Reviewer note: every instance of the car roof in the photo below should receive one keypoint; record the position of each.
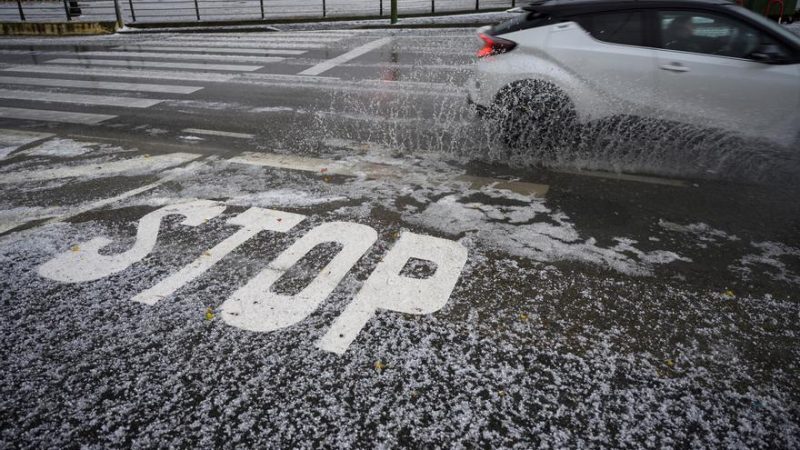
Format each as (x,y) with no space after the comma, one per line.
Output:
(558,7)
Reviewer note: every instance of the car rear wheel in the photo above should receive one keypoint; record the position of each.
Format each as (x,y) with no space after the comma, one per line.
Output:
(534,114)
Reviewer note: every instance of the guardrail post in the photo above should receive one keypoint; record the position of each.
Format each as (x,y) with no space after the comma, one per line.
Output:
(21,14)
(197,10)
(324,9)
(133,14)
(118,13)
(380,10)
(66,10)
(262,9)
(433,6)
(513,3)
(477,5)
(393,19)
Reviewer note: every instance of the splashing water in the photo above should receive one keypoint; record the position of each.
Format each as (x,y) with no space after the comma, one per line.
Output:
(426,117)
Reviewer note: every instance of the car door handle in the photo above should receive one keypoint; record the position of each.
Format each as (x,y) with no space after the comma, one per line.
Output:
(675,67)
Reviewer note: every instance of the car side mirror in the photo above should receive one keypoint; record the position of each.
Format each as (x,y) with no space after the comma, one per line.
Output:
(768,54)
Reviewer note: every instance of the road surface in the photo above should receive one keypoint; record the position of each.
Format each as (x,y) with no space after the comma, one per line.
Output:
(306,239)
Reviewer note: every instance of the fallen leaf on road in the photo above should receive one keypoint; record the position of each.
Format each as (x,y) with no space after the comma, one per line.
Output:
(75,248)
(209,313)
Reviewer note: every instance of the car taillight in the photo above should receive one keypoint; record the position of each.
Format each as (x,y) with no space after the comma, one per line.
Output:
(493,45)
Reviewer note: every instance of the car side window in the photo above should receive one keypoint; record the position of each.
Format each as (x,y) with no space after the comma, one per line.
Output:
(621,27)
(712,34)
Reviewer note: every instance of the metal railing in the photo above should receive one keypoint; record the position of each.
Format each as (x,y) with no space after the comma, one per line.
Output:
(49,11)
(151,11)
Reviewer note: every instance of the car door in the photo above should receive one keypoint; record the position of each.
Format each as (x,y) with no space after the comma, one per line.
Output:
(707,75)
(607,53)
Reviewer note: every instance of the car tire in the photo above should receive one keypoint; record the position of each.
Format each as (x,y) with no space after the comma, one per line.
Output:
(534,114)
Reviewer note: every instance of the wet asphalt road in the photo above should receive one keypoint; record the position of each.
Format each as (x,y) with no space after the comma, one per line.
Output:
(242,255)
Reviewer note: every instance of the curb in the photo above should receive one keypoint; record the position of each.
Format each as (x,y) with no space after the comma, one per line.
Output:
(411,21)
(56,28)
(267,28)
(356,22)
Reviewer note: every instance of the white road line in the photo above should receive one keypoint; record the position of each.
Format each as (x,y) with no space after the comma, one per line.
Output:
(11,140)
(305,164)
(290,78)
(219,133)
(154,64)
(265,46)
(209,50)
(79,99)
(122,73)
(263,40)
(6,226)
(352,54)
(284,34)
(53,116)
(376,171)
(109,85)
(344,33)
(148,164)
(625,177)
(197,57)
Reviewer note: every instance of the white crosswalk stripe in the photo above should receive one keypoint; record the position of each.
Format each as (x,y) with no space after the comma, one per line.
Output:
(53,116)
(196,58)
(213,50)
(155,64)
(266,40)
(192,57)
(105,85)
(265,45)
(121,73)
(80,99)
(320,33)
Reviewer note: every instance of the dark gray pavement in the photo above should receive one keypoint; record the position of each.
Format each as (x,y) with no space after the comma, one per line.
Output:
(205,247)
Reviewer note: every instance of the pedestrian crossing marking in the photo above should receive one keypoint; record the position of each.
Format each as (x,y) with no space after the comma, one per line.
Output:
(154,64)
(182,56)
(106,85)
(53,116)
(211,50)
(122,73)
(80,99)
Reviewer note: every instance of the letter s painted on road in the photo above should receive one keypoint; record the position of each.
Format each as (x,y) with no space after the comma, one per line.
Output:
(87,264)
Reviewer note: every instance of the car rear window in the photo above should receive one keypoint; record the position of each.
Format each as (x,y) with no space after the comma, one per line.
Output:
(621,27)
(522,22)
